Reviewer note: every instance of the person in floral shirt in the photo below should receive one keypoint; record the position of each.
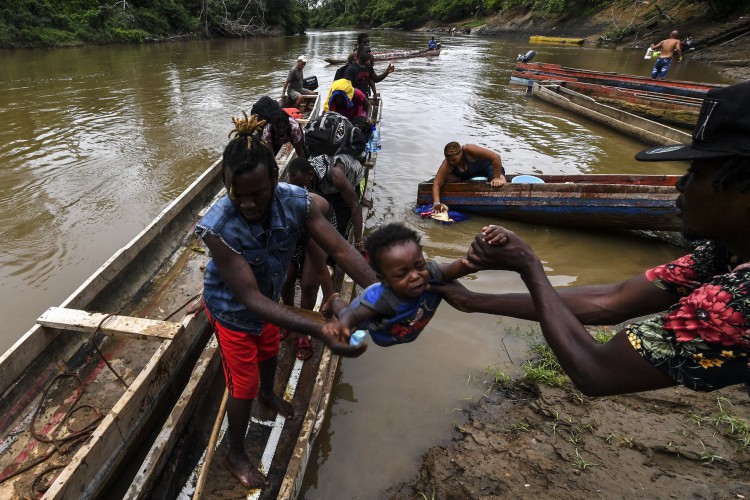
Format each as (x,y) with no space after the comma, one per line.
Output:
(700,334)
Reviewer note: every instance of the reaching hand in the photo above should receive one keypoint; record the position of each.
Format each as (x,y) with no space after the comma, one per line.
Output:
(494,235)
(439,208)
(500,248)
(391,68)
(338,346)
(498,181)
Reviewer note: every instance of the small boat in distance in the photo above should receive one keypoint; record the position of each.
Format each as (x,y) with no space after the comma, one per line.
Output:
(603,202)
(527,73)
(556,40)
(391,55)
(650,132)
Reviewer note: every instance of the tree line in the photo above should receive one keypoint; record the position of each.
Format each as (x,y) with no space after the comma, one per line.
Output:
(44,23)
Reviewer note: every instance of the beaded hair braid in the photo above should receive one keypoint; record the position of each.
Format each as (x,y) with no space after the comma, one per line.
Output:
(246,151)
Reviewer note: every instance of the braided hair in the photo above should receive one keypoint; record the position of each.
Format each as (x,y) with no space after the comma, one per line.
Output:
(246,151)
(386,237)
(735,170)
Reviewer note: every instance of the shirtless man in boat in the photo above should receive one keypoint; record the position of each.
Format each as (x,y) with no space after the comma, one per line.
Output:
(252,233)
(667,47)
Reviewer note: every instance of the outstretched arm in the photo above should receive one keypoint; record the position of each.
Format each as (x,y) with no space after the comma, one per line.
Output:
(456,269)
(240,278)
(437,184)
(337,247)
(596,369)
(349,318)
(379,78)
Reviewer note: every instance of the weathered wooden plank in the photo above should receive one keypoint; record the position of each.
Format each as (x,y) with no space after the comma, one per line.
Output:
(200,380)
(93,463)
(83,321)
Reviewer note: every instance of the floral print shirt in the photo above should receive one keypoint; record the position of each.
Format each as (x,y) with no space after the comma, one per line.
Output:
(703,341)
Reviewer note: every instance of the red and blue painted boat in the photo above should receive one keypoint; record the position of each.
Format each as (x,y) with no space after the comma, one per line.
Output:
(528,73)
(604,201)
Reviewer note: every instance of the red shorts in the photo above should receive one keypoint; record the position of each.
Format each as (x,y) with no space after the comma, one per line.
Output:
(240,354)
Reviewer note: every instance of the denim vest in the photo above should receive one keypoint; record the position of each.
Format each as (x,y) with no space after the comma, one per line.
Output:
(268,251)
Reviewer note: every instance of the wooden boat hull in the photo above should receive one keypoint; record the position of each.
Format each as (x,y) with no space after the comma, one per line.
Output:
(282,447)
(390,55)
(544,71)
(155,276)
(603,202)
(670,109)
(556,40)
(635,126)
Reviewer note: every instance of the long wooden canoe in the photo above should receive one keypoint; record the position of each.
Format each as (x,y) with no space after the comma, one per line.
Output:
(184,461)
(643,129)
(527,73)
(110,359)
(391,55)
(604,202)
(665,108)
(556,40)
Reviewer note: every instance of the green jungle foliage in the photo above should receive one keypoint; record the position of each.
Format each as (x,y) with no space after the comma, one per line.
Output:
(41,23)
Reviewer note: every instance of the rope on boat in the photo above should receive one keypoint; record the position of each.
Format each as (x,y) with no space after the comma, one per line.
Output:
(60,445)
(76,436)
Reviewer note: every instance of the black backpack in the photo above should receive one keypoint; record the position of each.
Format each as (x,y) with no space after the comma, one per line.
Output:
(340,72)
(331,134)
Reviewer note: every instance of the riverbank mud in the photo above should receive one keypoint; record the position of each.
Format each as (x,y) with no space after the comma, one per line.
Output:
(544,442)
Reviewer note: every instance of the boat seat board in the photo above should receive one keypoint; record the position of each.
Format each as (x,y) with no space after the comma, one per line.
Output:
(83,321)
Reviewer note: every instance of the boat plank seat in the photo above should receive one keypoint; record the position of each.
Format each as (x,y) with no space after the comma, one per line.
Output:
(83,321)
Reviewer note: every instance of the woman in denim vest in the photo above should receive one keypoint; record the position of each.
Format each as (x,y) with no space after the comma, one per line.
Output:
(251,233)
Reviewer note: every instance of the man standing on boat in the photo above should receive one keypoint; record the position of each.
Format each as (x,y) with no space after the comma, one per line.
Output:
(252,233)
(362,74)
(294,83)
(667,49)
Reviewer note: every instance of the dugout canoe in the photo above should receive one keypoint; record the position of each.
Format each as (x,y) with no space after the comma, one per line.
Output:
(669,109)
(111,359)
(391,55)
(638,127)
(556,40)
(602,202)
(527,73)
(185,462)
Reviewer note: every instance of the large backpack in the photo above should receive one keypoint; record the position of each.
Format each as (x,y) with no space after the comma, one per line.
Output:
(331,134)
(340,72)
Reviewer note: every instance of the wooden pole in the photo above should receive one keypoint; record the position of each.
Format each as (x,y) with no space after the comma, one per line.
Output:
(211,447)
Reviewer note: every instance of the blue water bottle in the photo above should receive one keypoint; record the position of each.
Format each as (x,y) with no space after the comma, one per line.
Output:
(357,337)
(375,140)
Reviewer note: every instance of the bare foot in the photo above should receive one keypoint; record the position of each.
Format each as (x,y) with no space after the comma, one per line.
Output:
(242,469)
(366,202)
(277,404)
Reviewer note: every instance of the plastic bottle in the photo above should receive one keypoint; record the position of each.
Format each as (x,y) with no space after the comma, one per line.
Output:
(357,337)
(374,142)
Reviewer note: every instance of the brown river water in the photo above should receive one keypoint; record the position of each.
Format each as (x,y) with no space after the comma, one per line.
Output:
(96,141)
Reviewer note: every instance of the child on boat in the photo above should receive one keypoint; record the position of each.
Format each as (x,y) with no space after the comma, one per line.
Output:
(396,310)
